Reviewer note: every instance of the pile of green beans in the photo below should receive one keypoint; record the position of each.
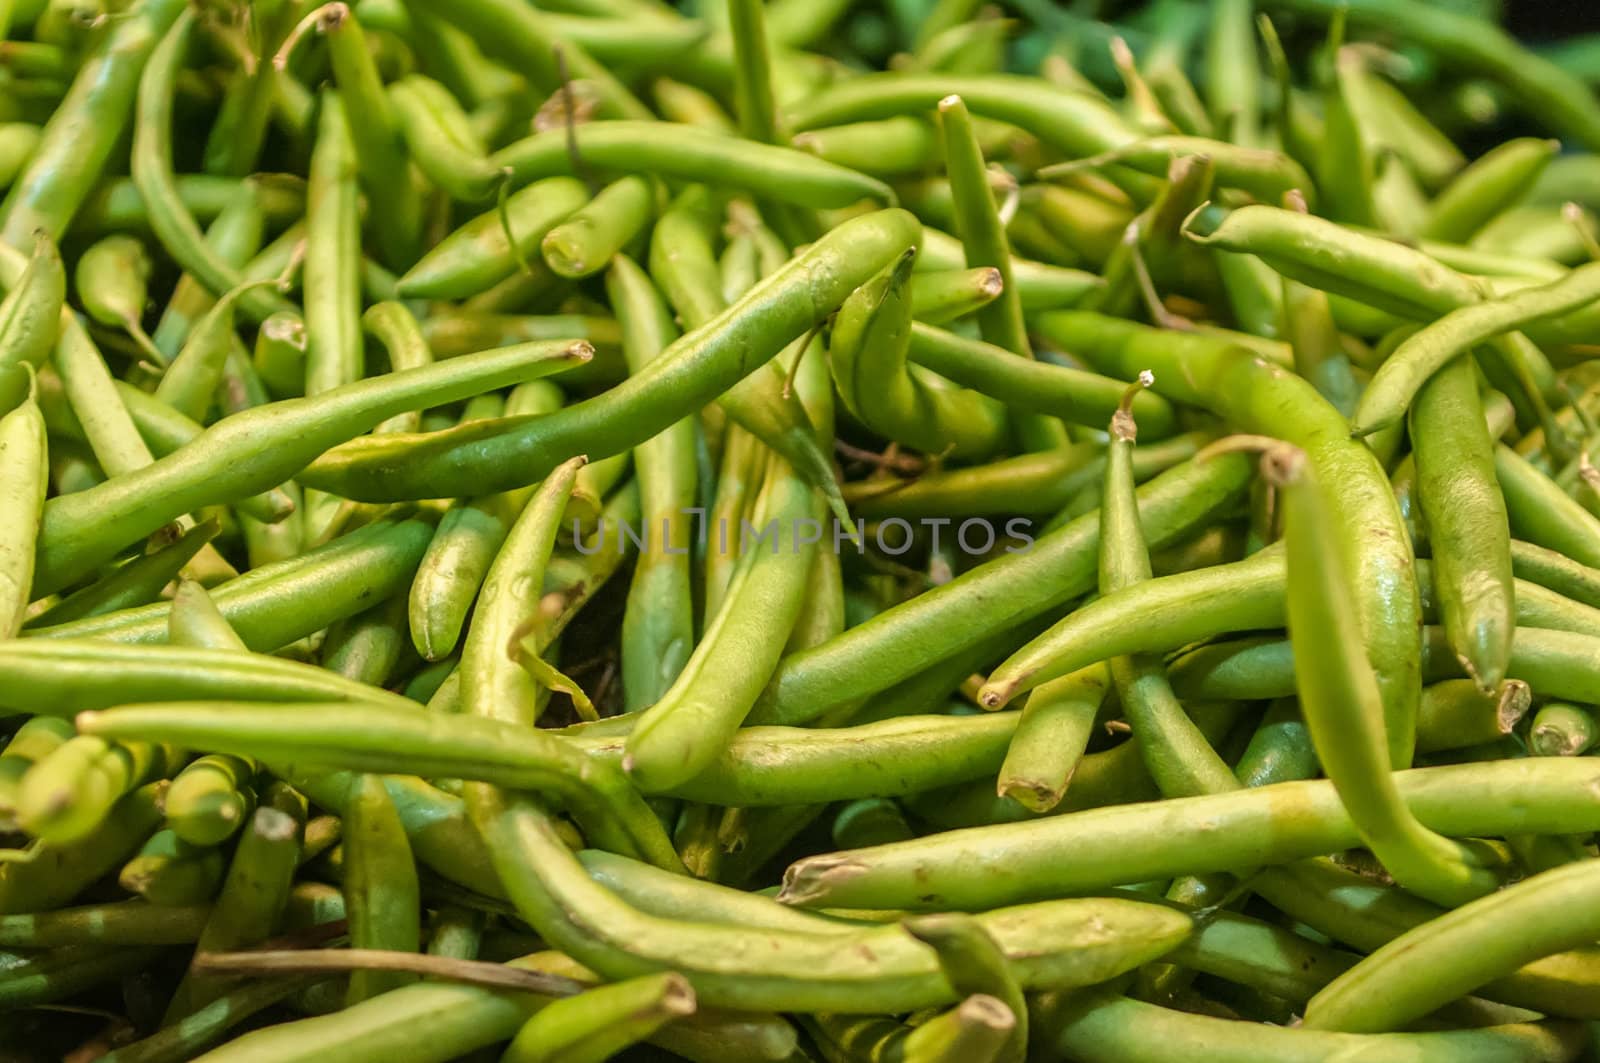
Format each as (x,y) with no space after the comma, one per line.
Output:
(805,531)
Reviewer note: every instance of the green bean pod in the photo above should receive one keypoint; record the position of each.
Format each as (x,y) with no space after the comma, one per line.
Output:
(1051,738)
(1100,1028)
(169,217)
(1485,188)
(692,154)
(1369,269)
(974,964)
(211,798)
(481,253)
(1561,729)
(66,794)
(1403,373)
(262,447)
(36,739)
(1457,713)
(54,873)
(1342,705)
(251,902)
(1280,404)
(691,372)
(585,242)
(658,620)
(24,474)
(380,885)
(867,353)
(170,872)
(1466,521)
(76,144)
(1463,949)
(594,1025)
(30,314)
(977,868)
(800,971)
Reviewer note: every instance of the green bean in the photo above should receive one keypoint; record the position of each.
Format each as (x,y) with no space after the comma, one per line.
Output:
(24,470)
(1466,521)
(1561,729)
(686,104)
(381,160)
(58,677)
(1478,46)
(889,147)
(900,641)
(454,333)
(439,139)
(1457,714)
(594,1025)
(368,646)
(195,620)
(1378,995)
(891,972)
(1060,391)
(1040,285)
(170,872)
(690,153)
(984,245)
(968,869)
(1343,708)
(198,1031)
(36,739)
(1346,170)
(1484,189)
(585,242)
(689,373)
(76,144)
(493,684)
(1368,269)
(977,1029)
(66,794)
(1100,1028)
(260,448)
(1417,359)
(870,341)
(120,923)
(64,973)
(1542,513)
(250,904)
(658,621)
(974,965)
(30,315)
(380,885)
(268,605)
(112,284)
(210,799)
(1212,374)
(53,874)
(947,295)
(525,41)
(481,253)
(169,217)
(18,142)
(1051,738)
(117,206)
(1248,593)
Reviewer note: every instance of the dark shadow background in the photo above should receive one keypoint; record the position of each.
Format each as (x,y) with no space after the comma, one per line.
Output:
(1546,19)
